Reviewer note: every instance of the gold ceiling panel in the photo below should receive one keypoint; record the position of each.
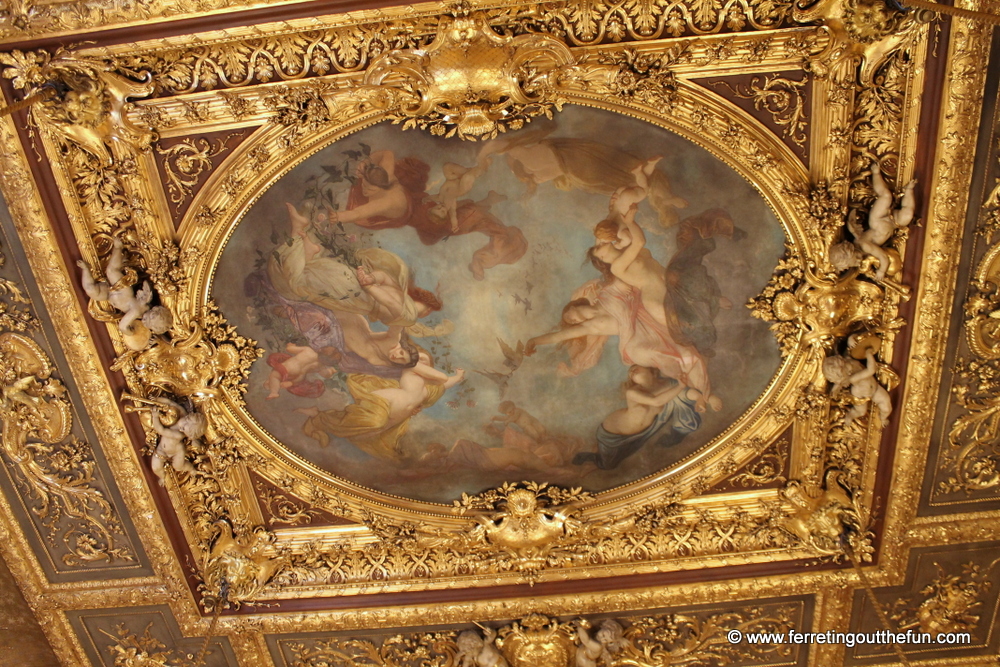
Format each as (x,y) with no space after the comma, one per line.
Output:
(278,399)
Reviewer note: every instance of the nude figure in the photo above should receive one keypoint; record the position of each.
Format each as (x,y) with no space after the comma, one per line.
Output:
(622,245)
(170,447)
(458,183)
(134,304)
(405,401)
(883,220)
(844,371)
(645,397)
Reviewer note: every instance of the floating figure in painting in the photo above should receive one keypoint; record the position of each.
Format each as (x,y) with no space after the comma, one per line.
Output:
(657,409)
(391,193)
(378,288)
(578,164)
(290,371)
(521,430)
(627,256)
(380,414)
(617,311)
(458,182)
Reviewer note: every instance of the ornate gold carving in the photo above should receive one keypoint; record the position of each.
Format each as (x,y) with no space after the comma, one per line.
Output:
(184,164)
(12,316)
(56,468)
(971,455)
(89,107)
(783,98)
(766,468)
(867,29)
(472,82)
(689,638)
(237,569)
(947,602)
(197,361)
(826,519)
(31,18)
(815,308)
(283,509)
(212,214)
(131,650)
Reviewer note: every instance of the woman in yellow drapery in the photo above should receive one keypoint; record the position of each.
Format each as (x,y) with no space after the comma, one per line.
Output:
(380,415)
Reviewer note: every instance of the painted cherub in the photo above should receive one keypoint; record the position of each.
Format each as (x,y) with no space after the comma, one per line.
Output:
(621,244)
(843,371)
(170,447)
(458,183)
(289,370)
(632,195)
(134,304)
(883,220)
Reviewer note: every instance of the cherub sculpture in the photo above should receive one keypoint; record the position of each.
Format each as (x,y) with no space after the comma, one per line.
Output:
(134,304)
(599,649)
(474,651)
(844,371)
(170,447)
(883,221)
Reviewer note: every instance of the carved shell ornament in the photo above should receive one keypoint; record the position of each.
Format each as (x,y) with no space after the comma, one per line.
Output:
(472,82)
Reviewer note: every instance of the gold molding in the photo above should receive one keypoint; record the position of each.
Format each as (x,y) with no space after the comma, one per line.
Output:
(945,218)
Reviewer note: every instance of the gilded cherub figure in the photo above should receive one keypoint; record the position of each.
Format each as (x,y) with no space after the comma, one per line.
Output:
(844,371)
(170,447)
(599,649)
(883,221)
(475,651)
(134,304)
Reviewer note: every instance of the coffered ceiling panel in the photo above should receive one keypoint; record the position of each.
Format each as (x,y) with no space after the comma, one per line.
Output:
(639,333)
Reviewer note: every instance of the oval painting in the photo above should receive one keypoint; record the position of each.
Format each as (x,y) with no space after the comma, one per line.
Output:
(562,304)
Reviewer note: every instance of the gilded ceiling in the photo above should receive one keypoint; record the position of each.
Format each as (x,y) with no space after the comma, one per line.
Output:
(625,333)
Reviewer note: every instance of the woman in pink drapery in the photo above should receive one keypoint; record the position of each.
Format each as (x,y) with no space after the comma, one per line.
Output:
(615,309)
(391,193)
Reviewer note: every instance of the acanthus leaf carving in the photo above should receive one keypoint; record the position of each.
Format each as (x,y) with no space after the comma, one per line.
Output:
(56,468)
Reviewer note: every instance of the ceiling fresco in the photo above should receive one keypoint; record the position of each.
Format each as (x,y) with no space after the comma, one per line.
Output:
(513,390)
(490,334)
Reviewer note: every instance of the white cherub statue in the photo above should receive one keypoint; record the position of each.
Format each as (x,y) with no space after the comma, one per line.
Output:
(134,304)
(845,371)
(883,220)
(475,651)
(171,447)
(598,650)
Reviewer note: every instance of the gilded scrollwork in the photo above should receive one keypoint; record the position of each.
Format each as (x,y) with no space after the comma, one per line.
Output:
(185,162)
(681,638)
(471,81)
(783,99)
(56,468)
(947,603)
(237,567)
(145,650)
(658,530)
(970,456)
